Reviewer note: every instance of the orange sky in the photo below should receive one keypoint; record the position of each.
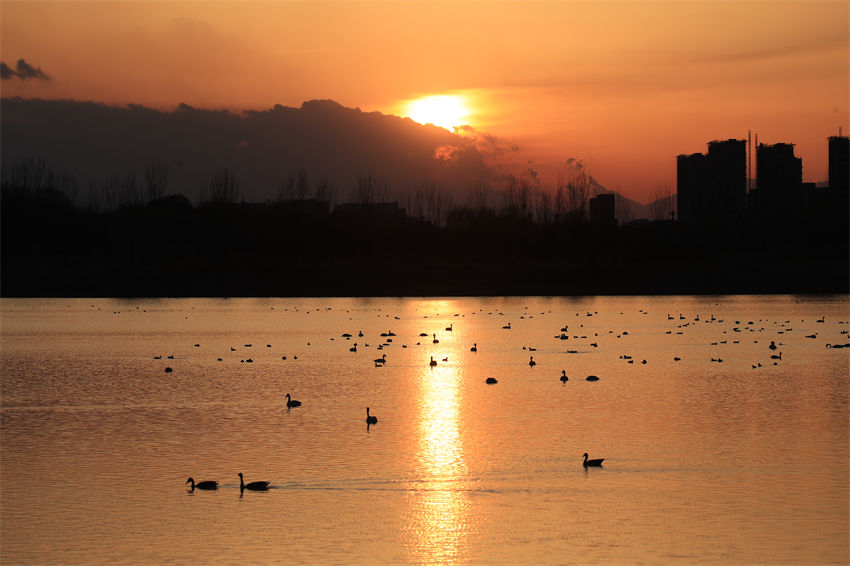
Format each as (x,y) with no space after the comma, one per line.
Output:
(624,86)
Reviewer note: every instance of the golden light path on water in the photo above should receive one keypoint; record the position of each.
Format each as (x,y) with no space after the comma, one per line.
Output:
(440,500)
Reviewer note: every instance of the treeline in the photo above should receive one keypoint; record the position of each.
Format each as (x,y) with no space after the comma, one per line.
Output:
(161,244)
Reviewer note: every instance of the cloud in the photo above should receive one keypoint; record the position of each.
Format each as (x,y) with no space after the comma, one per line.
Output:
(23,71)
(324,138)
(573,163)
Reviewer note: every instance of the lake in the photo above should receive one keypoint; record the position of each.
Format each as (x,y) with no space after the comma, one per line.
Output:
(716,449)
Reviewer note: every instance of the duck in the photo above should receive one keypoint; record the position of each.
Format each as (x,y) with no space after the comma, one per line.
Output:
(253,486)
(474,347)
(370,419)
(290,402)
(597,462)
(208,485)
(564,377)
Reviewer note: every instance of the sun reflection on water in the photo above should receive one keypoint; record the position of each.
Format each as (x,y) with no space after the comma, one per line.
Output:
(440,500)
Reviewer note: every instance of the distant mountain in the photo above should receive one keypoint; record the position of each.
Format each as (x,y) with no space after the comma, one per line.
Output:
(262,149)
(636,210)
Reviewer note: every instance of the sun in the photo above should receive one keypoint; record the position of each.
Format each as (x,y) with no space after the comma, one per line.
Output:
(447,111)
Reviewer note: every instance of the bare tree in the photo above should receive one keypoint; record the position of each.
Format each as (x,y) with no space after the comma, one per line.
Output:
(130,193)
(325,191)
(369,189)
(156,179)
(477,197)
(661,207)
(286,188)
(223,187)
(543,204)
(110,193)
(518,194)
(302,185)
(578,193)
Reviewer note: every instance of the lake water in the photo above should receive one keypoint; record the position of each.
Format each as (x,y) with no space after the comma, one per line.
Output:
(710,462)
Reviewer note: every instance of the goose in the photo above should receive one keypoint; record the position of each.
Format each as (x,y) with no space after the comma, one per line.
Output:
(433,361)
(592,378)
(564,377)
(353,348)
(507,326)
(531,361)
(381,360)
(435,341)
(290,402)
(253,486)
(208,485)
(474,347)
(491,380)
(449,327)
(370,419)
(596,463)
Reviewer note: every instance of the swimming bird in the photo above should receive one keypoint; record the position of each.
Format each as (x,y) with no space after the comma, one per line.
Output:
(776,357)
(433,361)
(592,378)
(449,327)
(772,345)
(564,377)
(290,402)
(491,380)
(435,341)
(370,419)
(208,485)
(474,347)
(253,486)
(597,462)
(507,326)
(381,360)
(353,348)
(531,361)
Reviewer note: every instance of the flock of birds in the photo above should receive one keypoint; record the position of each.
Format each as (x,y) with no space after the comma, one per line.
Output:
(683,323)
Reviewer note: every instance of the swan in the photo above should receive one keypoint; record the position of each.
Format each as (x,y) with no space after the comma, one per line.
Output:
(564,377)
(253,486)
(370,419)
(381,360)
(433,361)
(474,347)
(491,380)
(209,484)
(597,462)
(290,402)
(592,378)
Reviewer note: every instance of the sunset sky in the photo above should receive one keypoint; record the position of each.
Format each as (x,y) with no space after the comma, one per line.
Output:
(622,86)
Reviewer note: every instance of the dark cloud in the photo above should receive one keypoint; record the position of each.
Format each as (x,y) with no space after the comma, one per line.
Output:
(573,163)
(325,139)
(23,71)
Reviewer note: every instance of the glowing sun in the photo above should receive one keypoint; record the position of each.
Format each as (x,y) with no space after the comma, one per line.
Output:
(447,111)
